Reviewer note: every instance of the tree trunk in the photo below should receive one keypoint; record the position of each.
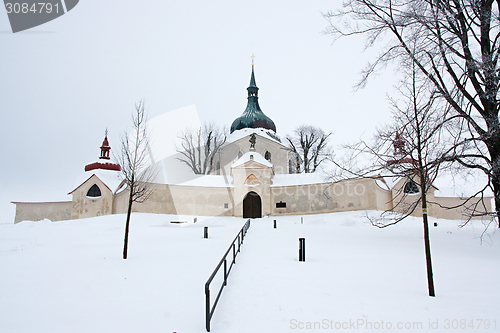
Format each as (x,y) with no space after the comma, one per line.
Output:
(495,177)
(495,181)
(427,242)
(129,211)
(430,278)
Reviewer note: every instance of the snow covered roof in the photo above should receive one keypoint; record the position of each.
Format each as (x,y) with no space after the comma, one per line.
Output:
(110,178)
(387,182)
(460,186)
(209,181)
(262,132)
(252,155)
(45,196)
(445,185)
(297,179)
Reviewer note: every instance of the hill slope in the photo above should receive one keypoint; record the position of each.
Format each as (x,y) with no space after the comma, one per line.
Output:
(69,276)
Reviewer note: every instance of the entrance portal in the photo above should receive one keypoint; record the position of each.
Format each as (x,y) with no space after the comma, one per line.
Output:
(252,206)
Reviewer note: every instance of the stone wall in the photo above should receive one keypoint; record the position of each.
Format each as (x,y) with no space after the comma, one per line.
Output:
(359,194)
(351,195)
(181,200)
(36,211)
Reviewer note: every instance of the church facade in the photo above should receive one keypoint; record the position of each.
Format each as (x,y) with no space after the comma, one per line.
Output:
(254,176)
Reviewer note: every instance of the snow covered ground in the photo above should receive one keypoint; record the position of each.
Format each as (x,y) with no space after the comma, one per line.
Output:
(69,276)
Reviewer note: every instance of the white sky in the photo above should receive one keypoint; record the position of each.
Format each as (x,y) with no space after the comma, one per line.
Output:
(63,83)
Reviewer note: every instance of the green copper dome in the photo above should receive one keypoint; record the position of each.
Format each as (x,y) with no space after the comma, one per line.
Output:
(253,117)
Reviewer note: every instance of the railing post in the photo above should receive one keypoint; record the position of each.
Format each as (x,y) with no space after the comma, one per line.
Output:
(225,272)
(302,249)
(234,254)
(207,308)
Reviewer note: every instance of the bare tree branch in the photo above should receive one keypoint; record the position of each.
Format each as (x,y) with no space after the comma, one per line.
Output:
(199,147)
(455,45)
(310,145)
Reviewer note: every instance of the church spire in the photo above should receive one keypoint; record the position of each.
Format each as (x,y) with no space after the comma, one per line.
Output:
(105,148)
(106,164)
(253,117)
(252,89)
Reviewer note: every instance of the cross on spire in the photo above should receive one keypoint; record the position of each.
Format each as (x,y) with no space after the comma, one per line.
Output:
(252,58)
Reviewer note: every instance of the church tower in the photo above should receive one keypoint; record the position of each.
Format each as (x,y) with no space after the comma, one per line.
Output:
(104,160)
(253,117)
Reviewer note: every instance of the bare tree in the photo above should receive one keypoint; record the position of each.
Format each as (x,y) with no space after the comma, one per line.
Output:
(310,146)
(457,45)
(198,147)
(414,148)
(137,171)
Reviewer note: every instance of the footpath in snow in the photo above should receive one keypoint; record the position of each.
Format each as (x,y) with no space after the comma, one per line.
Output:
(360,278)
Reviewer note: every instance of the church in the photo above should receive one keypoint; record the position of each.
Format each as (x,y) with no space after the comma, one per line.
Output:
(254,175)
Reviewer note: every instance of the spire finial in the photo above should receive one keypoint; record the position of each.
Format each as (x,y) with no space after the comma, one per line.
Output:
(106,132)
(253,57)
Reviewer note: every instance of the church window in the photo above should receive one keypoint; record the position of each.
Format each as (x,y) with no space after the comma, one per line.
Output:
(281,204)
(267,156)
(226,205)
(290,166)
(240,154)
(94,191)
(218,167)
(411,187)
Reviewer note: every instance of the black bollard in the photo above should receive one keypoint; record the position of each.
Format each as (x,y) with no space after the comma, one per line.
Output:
(205,233)
(435,224)
(302,249)
(274,224)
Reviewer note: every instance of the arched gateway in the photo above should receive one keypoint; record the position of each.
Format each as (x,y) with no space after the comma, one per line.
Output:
(252,206)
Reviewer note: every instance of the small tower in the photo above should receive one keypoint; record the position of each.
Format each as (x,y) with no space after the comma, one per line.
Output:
(105,148)
(104,158)
(400,152)
(399,146)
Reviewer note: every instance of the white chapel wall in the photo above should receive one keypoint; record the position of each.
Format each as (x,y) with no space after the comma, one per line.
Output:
(229,154)
(84,206)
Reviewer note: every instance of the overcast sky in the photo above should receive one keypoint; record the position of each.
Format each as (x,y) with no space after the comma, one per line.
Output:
(63,83)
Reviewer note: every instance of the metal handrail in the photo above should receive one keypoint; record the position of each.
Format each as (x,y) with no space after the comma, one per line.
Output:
(209,310)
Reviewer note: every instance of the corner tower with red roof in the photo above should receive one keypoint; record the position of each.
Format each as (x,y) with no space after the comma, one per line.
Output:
(104,160)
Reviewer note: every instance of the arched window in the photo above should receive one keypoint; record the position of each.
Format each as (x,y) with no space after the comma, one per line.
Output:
(290,166)
(217,166)
(267,156)
(94,191)
(240,154)
(411,187)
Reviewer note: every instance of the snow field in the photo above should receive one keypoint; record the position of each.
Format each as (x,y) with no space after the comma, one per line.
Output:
(69,276)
